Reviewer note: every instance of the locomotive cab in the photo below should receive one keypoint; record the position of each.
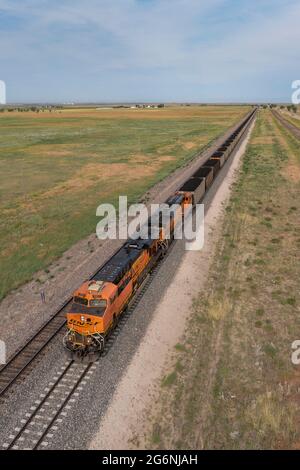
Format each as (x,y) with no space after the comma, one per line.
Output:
(86,320)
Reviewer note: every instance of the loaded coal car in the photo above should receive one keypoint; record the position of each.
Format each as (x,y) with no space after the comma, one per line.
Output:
(180,197)
(195,187)
(206,172)
(214,163)
(162,224)
(222,154)
(230,142)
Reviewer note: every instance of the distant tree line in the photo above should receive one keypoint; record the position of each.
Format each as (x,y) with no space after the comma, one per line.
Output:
(290,107)
(34,109)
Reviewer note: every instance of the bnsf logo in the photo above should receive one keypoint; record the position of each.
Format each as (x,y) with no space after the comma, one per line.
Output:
(84,322)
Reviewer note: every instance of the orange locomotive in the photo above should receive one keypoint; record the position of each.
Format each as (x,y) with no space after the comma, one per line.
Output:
(98,303)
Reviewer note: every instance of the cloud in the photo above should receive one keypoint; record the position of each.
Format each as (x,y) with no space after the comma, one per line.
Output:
(130,49)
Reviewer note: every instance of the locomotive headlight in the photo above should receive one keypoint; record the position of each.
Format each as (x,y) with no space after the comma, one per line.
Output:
(82,318)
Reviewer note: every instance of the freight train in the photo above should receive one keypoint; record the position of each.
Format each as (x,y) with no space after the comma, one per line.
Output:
(98,303)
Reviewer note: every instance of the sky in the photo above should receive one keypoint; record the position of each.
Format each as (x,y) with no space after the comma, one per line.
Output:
(149,50)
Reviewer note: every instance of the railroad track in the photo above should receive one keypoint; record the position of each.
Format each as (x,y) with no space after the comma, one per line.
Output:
(41,421)
(20,363)
(287,124)
(19,366)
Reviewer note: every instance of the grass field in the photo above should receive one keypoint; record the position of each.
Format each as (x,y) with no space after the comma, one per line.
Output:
(56,168)
(233,384)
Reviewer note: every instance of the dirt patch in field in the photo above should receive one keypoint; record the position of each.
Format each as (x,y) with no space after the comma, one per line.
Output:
(167,158)
(292,172)
(189,145)
(139,158)
(95,173)
(148,159)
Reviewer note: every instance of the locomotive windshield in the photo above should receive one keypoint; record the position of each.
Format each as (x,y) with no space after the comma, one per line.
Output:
(80,300)
(98,303)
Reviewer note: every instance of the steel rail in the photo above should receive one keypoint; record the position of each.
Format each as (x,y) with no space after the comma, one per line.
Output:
(287,124)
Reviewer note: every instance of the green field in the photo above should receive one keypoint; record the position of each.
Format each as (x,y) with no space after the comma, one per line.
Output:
(56,168)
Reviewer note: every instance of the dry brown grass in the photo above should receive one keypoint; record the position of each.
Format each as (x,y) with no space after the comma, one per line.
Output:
(292,172)
(218,308)
(270,414)
(169,112)
(265,140)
